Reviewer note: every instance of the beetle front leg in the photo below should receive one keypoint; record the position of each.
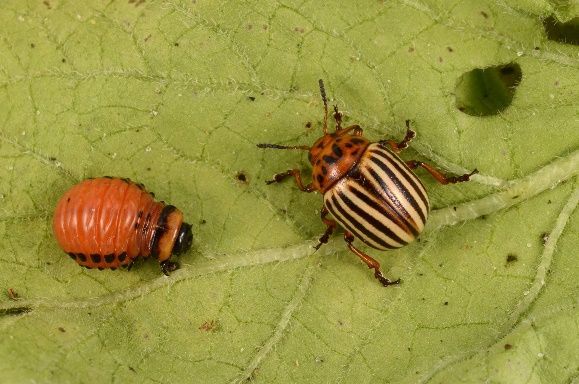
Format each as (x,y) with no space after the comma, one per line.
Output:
(439,176)
(279,177)
(398,147)
(358,131)
(330,227)
(369,261)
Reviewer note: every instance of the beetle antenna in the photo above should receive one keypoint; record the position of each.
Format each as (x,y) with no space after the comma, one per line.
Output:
(323,93)
(277,146)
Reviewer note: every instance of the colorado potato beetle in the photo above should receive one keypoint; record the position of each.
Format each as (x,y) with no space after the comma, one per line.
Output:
(371,192)
(108,222)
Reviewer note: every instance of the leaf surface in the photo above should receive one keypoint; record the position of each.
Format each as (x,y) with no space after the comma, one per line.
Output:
(176,95)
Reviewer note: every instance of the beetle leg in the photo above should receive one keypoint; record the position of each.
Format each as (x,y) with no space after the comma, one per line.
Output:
(338,118)
(278,177)
(439,176)
(370,262)
(356,128)
(330,227)
(398,147)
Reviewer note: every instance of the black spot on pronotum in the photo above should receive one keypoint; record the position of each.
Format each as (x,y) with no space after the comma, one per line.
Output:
(122,257)
(511,258)
(329,159)
(110,258)
(337,150)
(81,257)
(72,255)
(566,32)
(95,258)
(487,91)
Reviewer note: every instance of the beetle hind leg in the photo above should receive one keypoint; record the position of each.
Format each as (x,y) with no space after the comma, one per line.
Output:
(330,227)
(369,261)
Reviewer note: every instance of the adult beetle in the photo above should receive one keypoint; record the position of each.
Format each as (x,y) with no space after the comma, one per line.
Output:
(372,193)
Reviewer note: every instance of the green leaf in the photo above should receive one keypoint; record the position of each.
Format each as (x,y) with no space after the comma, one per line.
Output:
(176,95)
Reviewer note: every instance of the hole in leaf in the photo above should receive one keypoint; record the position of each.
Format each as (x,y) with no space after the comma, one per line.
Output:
(488,91)
(567,33)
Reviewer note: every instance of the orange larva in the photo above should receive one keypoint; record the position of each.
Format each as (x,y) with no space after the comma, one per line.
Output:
(108,222)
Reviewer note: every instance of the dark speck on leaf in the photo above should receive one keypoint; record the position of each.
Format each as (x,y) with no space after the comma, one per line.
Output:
(252,98)
(544,237)
(176,44)
(484,14)
(61,329)
(203,221)
(63,60)
(449,49)
(309,124)
(508,346)
(32,45)
(51,158)
(241,176)
(511,258)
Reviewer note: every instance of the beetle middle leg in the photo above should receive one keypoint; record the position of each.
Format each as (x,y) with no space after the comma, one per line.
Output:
(279,177)
(398,147)
(439,176)
(370,262)
(330,227)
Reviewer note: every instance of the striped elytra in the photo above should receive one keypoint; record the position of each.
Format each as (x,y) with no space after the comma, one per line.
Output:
(381,202)
(368,190)
(108,222)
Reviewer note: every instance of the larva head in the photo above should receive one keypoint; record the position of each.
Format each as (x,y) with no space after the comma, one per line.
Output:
(184,239)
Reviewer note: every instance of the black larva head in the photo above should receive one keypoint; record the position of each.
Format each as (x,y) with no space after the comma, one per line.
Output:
(184,239)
